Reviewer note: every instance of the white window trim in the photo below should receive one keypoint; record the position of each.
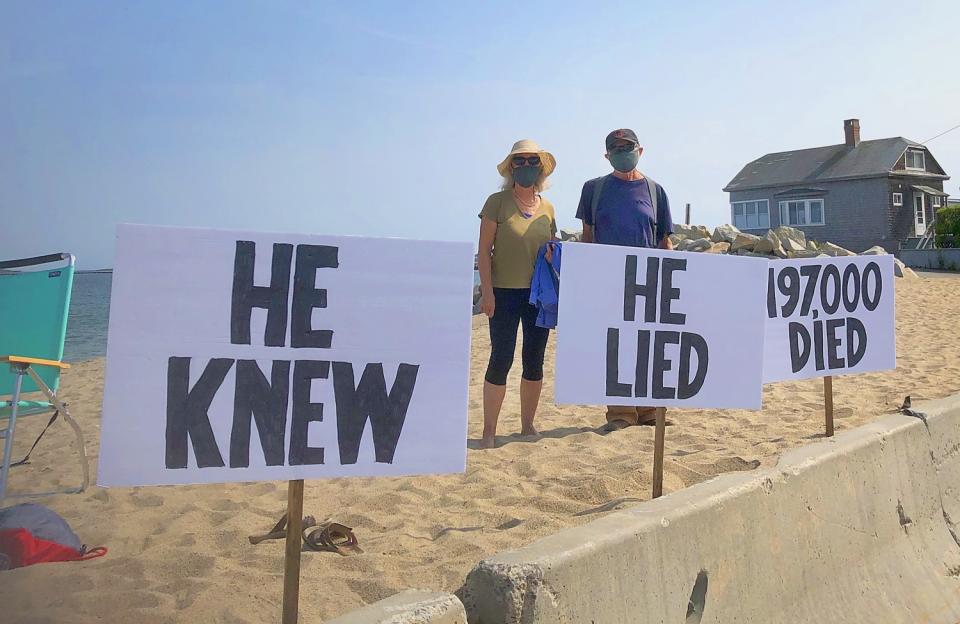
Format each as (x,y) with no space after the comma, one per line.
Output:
(906,159)
(806,210)
(733,217)
(935,201)
(898,199)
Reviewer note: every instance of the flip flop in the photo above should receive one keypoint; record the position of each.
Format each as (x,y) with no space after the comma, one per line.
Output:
(332,537)
(279,530)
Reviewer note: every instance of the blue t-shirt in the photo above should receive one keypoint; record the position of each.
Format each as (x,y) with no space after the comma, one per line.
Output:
(625,213)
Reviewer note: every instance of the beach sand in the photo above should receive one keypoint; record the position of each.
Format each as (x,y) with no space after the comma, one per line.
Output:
(181,553)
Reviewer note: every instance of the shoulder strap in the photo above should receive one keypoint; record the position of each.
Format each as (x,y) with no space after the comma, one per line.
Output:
(595,200)
(654,190)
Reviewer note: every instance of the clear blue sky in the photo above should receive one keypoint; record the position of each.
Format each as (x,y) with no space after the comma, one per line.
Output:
(388,118)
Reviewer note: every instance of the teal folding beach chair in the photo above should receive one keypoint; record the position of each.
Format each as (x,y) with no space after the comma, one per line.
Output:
(34,301)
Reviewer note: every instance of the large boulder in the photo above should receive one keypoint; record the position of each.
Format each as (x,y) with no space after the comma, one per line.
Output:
(876,250)
(725,233)
(718,248)
(692,232)
(699,244)
(770,244)
(902,270)
(571,235)
(744,241)
(804,253)
(812,245)
(835,250)
(798,239)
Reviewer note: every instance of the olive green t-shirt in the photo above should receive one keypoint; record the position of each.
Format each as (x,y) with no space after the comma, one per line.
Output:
(518,239)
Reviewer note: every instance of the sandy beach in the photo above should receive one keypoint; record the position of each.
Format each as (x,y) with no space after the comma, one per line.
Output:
(181,553)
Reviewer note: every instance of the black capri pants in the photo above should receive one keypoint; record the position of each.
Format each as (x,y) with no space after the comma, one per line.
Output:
(511,308)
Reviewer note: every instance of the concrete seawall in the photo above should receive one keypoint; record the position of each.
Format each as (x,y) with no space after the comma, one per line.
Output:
(863,527)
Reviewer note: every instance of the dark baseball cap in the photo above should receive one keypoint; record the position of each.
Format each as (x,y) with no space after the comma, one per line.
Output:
(623,134)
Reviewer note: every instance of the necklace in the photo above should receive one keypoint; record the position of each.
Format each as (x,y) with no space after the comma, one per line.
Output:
(526,207)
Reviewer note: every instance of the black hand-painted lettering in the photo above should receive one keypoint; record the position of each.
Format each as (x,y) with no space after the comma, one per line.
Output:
(643,366)
(187,412)
(306,296)
(834,361)
(818,343)
(668,293)
(851,281)
(369,400)
(872,300)
(662,364)
(648,290)
(789,284)
(771,294)
(273,298)
(856,341)
(305,412)
(691,344)
(811,272)
(830,288)
(255,398)
(799,346)
(614,387)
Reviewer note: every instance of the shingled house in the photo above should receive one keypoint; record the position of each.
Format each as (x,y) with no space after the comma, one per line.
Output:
(856,194)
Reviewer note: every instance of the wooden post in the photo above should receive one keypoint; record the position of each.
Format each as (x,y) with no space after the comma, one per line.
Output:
(828,404)
(658,452)
(291,562)
(688,215)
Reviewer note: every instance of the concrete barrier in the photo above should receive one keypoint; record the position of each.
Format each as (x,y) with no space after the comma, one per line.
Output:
(413,606)
(948,259)
(861,527)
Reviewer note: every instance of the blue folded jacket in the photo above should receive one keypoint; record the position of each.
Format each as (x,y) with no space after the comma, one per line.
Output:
(545,286)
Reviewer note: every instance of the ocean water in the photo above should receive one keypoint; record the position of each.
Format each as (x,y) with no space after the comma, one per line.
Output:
(89,315)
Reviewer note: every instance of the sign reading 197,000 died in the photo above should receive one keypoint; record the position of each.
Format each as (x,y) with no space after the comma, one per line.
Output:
(238,356)
(829,316)
(659,328)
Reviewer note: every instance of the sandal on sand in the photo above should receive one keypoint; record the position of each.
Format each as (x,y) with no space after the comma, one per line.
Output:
(332,537)
(615,425)
(279,530)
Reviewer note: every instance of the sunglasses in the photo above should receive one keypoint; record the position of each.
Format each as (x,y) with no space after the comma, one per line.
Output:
(623,149)
(519,161)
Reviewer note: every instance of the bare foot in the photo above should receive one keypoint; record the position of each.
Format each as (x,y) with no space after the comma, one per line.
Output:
(529,431)
(488,442)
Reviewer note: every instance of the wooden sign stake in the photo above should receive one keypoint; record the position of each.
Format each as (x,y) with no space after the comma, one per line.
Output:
(828,404)
(291,561)
(658,452)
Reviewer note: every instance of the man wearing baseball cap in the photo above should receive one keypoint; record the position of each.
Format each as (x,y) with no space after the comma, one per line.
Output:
(625,208)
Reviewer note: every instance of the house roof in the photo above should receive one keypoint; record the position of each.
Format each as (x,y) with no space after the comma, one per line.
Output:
(929,190)
(832,162)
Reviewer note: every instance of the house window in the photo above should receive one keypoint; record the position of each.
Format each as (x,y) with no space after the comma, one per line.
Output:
(935,201)
(898,199)
(801,212)
(751,215)
(915,160)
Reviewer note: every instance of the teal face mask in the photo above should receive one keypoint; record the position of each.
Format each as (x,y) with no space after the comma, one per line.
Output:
(624,161)
(526,176)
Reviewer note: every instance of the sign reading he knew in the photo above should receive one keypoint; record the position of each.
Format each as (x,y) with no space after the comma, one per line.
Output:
(237,356)
(829,316)
(659,328)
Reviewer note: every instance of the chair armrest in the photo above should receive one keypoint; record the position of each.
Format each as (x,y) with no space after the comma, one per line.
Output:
(20,359)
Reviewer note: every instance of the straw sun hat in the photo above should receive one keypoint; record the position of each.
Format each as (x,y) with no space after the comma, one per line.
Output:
(528,146)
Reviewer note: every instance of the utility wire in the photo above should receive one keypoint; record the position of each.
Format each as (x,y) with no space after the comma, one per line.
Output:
(940,135)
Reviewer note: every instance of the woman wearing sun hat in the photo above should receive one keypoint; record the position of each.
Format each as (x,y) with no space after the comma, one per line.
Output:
(514,223)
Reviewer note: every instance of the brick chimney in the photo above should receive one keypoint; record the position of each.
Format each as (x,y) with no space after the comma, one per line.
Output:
(851,131)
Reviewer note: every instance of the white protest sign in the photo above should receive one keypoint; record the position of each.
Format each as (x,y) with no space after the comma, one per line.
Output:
(829,316)
(659,328)
(240,356)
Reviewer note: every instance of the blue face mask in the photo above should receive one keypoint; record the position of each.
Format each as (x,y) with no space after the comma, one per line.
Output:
(526,176)
(624,161)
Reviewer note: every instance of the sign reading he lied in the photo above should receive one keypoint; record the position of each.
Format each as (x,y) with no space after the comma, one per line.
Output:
(238,356)
(659,328)
(829,316)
